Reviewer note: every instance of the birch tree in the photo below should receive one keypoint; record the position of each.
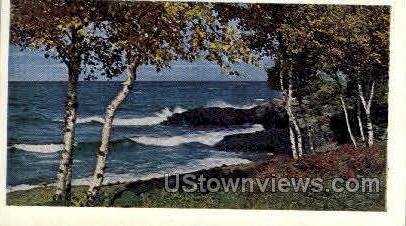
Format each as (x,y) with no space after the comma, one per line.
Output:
(369,35)
(285,37)
(269,39)
(287,98)
(156,34)
(342,84)
(351,39)
(359,119)
(358,45)
(62,30)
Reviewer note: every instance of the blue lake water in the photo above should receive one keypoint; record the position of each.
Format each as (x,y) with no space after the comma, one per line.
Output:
(141,147)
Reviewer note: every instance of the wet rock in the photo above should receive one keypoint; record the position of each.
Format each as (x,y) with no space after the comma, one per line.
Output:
(273,140)
(270,115)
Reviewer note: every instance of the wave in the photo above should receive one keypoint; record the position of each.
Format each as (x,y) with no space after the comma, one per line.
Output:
(143,121)
(54,161)
(163,115)
(21,187)
(39,148)
(89,119)
(207,138)
(223,104)
(113,178)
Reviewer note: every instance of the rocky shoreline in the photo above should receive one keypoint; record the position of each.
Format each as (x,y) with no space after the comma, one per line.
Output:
(327,131)
(272,116)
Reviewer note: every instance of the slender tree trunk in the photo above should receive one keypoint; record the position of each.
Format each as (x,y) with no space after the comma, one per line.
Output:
(360,125)
(65,165)
(370,129)
(309,130)
(69,179)
(292,141)
(298,133)
(310,136)
(98,175)
(286,99)
(292,116)
(347,120)
(367,107)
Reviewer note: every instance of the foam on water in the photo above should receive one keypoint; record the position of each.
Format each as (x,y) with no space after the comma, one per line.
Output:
(163,115)
(112,178)
(21,187)
(89,119)
(223,104)
(207,138)
(39,148)
(142,121)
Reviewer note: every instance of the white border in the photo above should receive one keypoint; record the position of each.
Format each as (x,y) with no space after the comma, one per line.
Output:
(395,215)
(4,37)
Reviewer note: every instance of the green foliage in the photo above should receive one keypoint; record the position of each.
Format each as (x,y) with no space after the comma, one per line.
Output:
(65,30)
(79,199)
(160,32)
(314,38)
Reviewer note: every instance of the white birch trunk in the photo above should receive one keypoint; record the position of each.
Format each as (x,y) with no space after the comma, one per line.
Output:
(292,141)
(68,180)
(292,135)
(347,121)
(65,165)
(360,125)
(370,130)
(367,107)
(98,175)
(310,136)
(298,134)
(292,116)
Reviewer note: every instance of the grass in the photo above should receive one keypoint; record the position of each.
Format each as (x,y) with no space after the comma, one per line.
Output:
(159,198)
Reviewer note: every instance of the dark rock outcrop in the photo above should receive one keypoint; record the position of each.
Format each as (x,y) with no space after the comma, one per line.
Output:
(273,140)
(270,115)
(212,116)
(324,129)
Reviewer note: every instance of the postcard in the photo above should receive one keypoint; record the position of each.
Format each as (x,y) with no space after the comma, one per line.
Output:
(228,106)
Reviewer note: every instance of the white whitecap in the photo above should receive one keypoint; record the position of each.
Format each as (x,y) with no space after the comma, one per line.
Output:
(207,138)
(151,120)
(223,104)
(39,148)
(20,187)
(111,178)
(139,121)
(90,119)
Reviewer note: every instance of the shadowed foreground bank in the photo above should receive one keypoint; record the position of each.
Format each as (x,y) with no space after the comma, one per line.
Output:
(345,162)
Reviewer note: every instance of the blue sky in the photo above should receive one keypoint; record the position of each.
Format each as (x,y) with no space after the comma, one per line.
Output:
(32,66)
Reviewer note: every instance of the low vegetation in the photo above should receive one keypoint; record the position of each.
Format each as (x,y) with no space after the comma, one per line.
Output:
(345,162)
